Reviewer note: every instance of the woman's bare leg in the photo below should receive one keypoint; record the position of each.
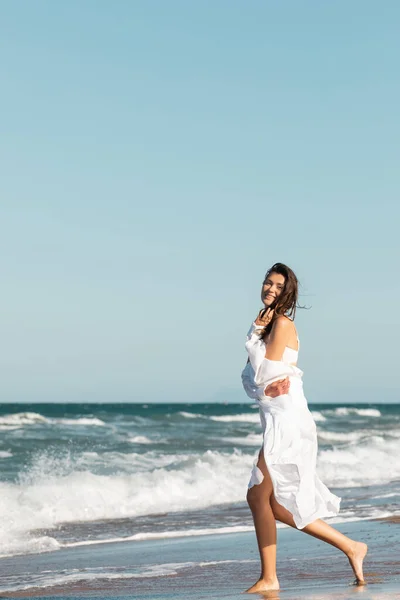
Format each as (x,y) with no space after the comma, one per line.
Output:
(259,497)
(355,551)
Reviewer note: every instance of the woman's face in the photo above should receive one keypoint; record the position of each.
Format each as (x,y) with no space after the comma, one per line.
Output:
(272,288)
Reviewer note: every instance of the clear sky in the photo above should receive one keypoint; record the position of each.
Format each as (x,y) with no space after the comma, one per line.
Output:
(158,156)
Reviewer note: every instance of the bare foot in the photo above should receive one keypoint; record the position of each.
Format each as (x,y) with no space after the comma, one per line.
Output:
(264,585)
(356,557)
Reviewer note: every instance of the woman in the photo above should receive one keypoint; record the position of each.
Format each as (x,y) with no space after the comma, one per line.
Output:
(284,485)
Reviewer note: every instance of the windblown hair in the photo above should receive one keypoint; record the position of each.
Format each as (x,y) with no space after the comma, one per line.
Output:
(286,302)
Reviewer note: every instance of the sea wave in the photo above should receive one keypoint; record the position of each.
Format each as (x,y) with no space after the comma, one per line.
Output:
(5,454)
(65,489)
(344,411)
(318,416)
(244,418)
(79,421)
(140,439)
(188,415)
(341,436)
(158,535)
(23,418)
(16,420)
(252,439)
(389,495)
(105,463)
(52,492)
(14,543)
(367,463)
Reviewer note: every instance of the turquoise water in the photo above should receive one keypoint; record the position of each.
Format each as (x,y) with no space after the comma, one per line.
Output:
(79,473)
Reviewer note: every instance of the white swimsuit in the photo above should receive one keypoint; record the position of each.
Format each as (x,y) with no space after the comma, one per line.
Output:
(290,435)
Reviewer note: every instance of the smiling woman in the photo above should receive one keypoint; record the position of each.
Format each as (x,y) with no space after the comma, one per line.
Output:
(275,280)
(284,485)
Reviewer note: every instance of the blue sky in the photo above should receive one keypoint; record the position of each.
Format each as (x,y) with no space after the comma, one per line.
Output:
(157,157)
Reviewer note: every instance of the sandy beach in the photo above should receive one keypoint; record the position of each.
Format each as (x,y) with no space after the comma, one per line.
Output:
(210,566)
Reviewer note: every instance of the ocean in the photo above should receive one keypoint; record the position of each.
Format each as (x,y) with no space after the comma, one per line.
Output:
(83,474)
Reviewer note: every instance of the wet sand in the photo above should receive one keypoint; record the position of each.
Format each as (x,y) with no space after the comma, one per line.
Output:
(212,567)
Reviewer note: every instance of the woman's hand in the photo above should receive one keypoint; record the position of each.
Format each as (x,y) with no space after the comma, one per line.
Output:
(277,388)
(266,318)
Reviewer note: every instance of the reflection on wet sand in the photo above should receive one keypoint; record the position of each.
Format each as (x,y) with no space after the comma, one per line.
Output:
(271,595)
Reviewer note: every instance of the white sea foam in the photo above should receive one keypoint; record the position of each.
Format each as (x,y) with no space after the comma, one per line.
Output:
(51,492)
(368,412)
(244,418)
(390,495)
(338,436)
(343,517)
(23,418)
(5,454)
(362,412)
(252,439)
(392,432)
(13,421)
(188,415)
(368,463)
(140,439)
(372,514)
(79,421)
(130,462)
(13,543)
(158,535)
(318,416)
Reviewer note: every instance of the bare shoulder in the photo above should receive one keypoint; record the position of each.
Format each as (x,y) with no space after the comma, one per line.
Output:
(282,330)
(283,324)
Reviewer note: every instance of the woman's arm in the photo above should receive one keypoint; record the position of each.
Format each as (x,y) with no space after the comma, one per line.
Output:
(277,342)
(273,390)
(278,338)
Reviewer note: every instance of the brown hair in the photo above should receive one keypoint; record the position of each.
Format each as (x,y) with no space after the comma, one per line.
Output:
(286,302)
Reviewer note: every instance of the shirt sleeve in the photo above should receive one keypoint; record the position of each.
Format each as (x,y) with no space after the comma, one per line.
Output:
(269,371)
(248,382)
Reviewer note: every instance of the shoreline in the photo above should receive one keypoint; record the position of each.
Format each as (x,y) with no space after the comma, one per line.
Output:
(201,566)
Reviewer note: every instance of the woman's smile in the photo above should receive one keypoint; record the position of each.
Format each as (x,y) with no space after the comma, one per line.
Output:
(272,288)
